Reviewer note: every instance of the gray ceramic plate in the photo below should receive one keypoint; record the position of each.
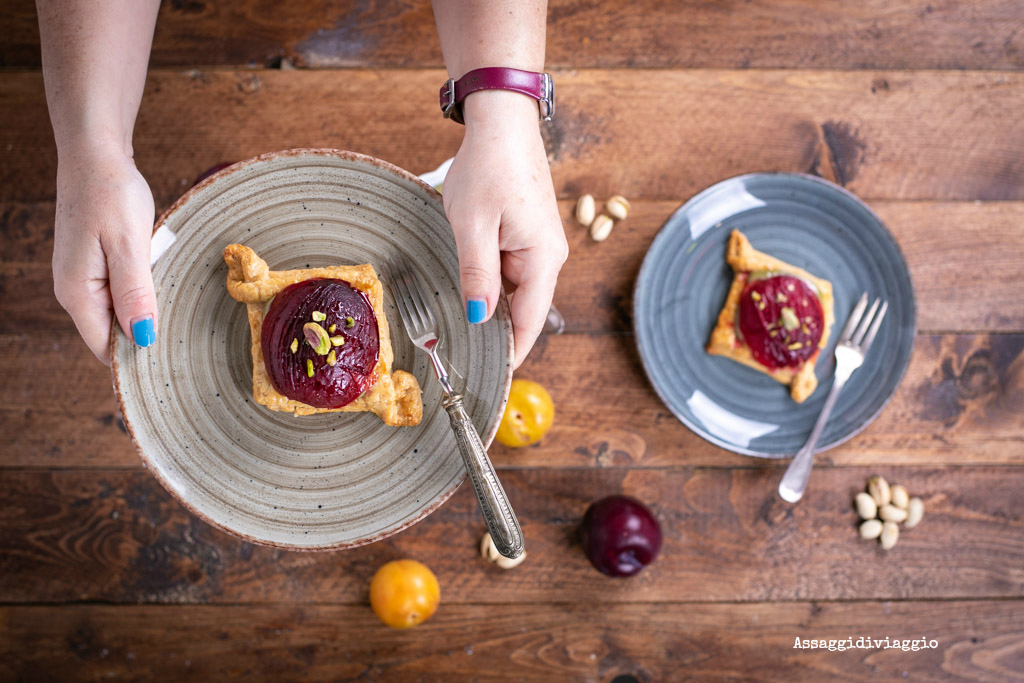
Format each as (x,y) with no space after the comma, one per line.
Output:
(322,481)
(683,282)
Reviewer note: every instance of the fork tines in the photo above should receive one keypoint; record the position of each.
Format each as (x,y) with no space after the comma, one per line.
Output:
(861,328)
(416,313)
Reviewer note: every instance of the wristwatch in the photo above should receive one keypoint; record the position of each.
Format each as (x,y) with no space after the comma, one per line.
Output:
(539,86)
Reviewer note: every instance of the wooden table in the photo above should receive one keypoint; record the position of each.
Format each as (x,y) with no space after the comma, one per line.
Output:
(918,107)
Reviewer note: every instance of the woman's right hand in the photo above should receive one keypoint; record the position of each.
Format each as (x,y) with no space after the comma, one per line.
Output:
(104,224)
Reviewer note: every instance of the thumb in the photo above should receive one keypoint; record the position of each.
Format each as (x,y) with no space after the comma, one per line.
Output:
(479,268)
(131,291)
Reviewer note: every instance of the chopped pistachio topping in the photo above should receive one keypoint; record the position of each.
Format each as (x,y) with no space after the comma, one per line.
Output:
(805,329)
(332,328)
(332,359)
(773,334)
(789,319)
(781,298)
(760,305)
(790,286)
(319,317)
(337,341)
(756,296)
(794,346)
(349,321)
(295,345)
(309,367)
(317,338)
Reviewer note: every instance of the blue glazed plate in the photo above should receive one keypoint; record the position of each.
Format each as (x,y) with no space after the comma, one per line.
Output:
(805,221)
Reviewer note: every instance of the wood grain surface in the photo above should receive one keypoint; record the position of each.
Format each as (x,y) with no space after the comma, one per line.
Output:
(684,131)
(117,536)
(915,106)
(977,641)
(981,244)
(960,403)
(913,34)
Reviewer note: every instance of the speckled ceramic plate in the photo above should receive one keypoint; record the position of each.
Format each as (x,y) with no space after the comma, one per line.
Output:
(319,482)
(683,282)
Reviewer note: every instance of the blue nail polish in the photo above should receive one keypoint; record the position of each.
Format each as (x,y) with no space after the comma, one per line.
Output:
(476,310)
(143,332)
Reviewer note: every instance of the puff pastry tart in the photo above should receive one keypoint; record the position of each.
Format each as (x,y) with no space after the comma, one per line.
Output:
(320,340)
(776,318)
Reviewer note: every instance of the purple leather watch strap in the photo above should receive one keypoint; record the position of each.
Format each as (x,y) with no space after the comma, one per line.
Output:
(539,86)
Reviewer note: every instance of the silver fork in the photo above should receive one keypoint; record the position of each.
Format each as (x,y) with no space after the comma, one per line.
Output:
(422,328)
(859,332)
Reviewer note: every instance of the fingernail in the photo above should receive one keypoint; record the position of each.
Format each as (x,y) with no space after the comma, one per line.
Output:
(143,331)
(476,310)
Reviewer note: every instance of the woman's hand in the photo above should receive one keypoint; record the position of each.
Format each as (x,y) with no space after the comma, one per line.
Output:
(102,235)
(501,204)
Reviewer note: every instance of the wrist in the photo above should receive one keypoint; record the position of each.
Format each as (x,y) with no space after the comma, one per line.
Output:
(94,148)
(91,140)
(490,108)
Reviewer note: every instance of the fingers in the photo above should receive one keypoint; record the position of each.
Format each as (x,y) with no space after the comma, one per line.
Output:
(92,315)
(529,306)
(479,266)
(131,290)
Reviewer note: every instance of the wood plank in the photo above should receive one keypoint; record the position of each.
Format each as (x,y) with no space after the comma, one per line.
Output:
(974,641)
(682,130)
(913,34)
(956,252)
(961,402)
(117,536)
(962,399)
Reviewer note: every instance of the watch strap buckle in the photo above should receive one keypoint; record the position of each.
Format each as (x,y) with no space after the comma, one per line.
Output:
(448,98)
(547,102)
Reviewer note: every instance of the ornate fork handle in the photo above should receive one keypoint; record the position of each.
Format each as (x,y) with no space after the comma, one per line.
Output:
(501,521)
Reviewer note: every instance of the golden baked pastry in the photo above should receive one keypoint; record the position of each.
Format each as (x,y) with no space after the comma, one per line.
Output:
(776,318)
(342,371)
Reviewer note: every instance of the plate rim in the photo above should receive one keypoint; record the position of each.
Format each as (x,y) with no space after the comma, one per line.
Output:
(117,334)
(645,264)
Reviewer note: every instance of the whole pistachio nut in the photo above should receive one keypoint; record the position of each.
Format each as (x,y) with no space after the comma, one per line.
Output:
(915,511)
(585,210)
(891,513)
(871,528)
(890,533)
(490,553)
(866,506)
(317,337)
(789,319)
(900,497)
(879,490)
(617,207)
(487,549)
(601,228)
(507,563)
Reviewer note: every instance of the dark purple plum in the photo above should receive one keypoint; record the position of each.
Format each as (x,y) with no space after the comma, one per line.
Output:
(210,171)
(305,375)
(620,536)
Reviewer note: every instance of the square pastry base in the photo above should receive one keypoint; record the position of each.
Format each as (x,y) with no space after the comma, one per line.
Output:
(395,397)
(744,259)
